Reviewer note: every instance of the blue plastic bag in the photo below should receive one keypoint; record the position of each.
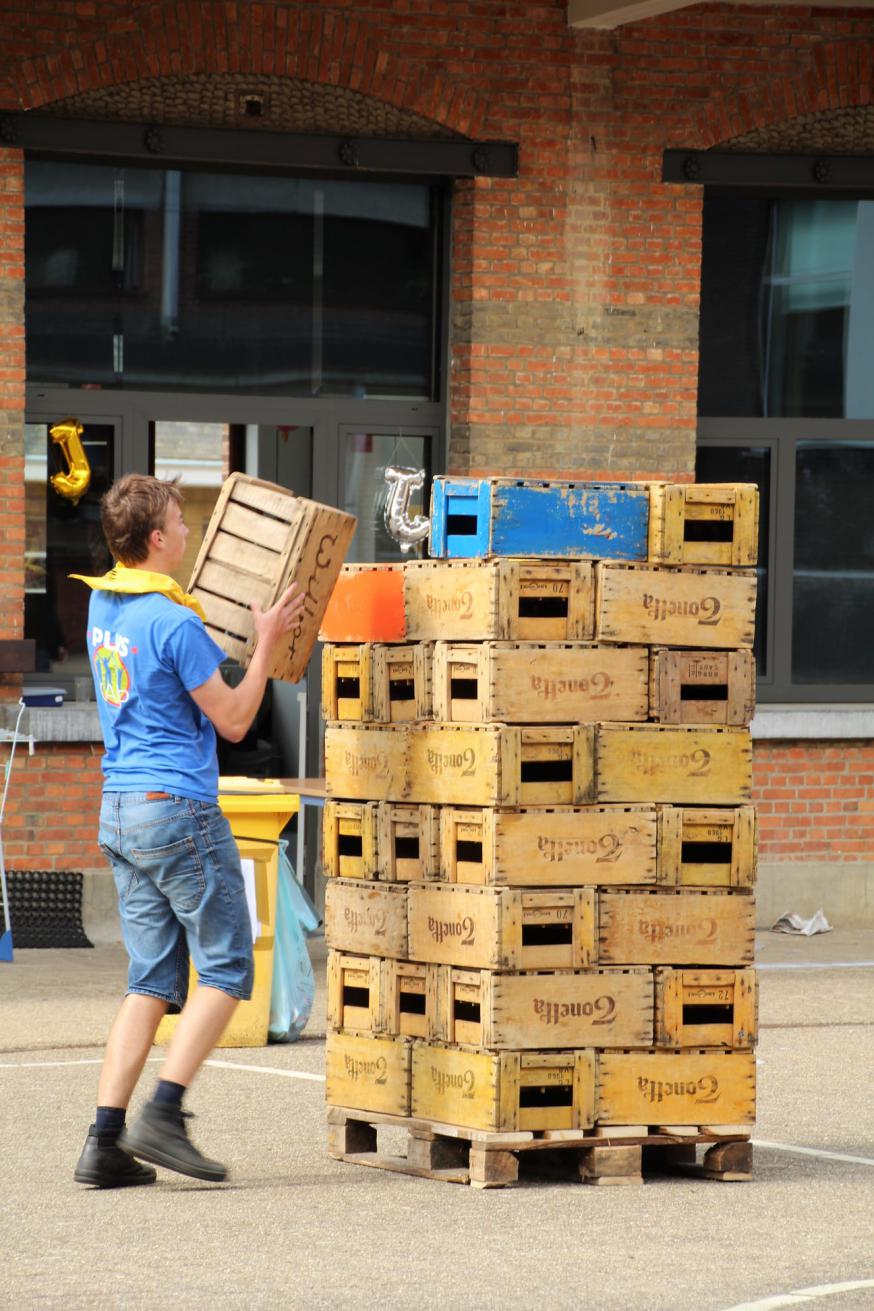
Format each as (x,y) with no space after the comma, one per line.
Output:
(294,985)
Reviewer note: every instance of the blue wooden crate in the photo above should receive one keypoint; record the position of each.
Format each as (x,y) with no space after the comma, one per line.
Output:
(477,517)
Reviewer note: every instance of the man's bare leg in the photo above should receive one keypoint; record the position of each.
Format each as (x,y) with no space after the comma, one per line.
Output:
(127,1047)
(204,1018)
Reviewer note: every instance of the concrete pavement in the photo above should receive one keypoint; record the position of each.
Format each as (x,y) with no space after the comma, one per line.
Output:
(295,1229)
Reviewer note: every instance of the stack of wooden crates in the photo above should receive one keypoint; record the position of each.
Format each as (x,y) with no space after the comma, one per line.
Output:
(541,848)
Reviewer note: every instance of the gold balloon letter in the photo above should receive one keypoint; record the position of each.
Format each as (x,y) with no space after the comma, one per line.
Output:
(73,484)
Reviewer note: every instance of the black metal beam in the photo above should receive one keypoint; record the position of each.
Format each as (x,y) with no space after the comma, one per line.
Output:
(168,146)
(723,168)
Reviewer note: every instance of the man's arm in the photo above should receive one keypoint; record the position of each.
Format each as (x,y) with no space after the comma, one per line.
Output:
(233,709)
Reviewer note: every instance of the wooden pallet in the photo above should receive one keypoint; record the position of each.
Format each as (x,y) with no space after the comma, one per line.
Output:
(495,1160)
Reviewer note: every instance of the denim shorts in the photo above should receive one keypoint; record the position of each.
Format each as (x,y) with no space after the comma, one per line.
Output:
(180,890)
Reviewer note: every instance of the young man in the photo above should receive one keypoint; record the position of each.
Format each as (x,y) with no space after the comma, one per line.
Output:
(161,699)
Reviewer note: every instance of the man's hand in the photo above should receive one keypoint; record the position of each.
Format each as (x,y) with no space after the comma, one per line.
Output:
(281,618)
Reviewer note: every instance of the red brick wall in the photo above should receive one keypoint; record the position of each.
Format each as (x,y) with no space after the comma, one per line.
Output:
(815,800)
(52,808)
(574,286)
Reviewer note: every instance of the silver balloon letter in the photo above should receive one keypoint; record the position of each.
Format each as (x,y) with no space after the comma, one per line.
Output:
(401,485)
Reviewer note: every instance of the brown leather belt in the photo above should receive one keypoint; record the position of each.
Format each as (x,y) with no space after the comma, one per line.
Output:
(158,796)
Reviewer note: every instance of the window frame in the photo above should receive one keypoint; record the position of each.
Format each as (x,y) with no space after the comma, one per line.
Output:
(782,438)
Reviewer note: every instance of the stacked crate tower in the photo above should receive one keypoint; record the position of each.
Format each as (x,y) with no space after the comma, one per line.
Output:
(541,848)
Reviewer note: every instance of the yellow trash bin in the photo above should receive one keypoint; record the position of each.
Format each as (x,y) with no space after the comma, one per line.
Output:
(257,809)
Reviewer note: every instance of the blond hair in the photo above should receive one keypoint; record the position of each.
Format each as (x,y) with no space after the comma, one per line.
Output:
(129,512)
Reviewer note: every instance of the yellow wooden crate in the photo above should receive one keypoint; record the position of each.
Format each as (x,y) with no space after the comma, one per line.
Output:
(501,928)
(367,762)
(562,1008)
(261,537)
(685,765)
(676,927)
(375,682)
(501,600)
(500,765)
(349,839)
(663,605)
(539,683)
(407,841)
(561,846)
(366,919)
(694,1088)
(702,687)
(503,1092)
(704,523)
(700,846)
(706,1008)
(368,1073)
(408,998)
(354,996)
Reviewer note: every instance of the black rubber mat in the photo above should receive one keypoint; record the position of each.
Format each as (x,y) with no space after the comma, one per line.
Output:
(45,907)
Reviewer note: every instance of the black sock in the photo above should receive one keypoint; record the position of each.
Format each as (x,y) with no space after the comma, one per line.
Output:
(109,1121)
(169,1093)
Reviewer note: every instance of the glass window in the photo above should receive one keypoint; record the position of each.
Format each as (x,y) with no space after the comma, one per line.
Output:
(198,454)
(787,307)
(833,580)
(366,456)
(62,537)
(139,277)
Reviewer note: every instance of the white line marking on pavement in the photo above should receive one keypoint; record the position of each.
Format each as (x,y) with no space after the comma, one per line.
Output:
(812,1151)
(802,1295)
(45,1065)
(819,965)
(267,1069)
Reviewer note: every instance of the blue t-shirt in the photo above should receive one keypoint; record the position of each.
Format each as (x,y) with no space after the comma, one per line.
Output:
(146,654)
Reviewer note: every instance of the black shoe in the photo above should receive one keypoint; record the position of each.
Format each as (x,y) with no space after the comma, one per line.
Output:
(160,1135)
(105,1165)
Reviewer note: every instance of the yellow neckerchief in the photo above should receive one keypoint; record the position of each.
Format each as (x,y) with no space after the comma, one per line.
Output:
(139,581)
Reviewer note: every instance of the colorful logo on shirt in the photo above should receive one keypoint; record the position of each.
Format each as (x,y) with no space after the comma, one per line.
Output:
(112,676)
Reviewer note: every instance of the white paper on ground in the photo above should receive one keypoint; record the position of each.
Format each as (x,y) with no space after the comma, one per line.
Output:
(249,881)
(792,922)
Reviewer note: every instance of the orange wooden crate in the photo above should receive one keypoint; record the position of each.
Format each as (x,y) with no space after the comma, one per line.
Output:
(367,605)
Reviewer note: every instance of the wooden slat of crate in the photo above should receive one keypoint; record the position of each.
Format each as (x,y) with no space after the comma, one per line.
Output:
(371,1074)
(677,1088)
(592,1008)
(367,762)
(704,847)
(702,687)
(349,839)
(685,765)
(354,997)
(675,928)
(560,846)
(366,919)
(539,683)
(509,600)
(503,1092)
(663,605)
(704,523)
(706,1008)
(407,841)
(501,928)
(367,605)
(494,765)
(409,999)
(402,682)
(307,542)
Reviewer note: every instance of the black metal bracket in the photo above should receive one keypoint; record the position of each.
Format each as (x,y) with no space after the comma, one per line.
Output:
(725,168)
(286,152)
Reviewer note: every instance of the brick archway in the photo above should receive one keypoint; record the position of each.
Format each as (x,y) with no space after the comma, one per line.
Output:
(325,48)
(835,82)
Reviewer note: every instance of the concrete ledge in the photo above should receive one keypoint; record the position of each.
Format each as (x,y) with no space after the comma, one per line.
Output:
(800,723)
(844,891)
(75,721)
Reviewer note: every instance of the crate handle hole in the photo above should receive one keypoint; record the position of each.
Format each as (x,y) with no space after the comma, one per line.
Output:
(461,525)
(547,771)
(547,935)
(463,689)
(406,848)
(469,853)
(543,607)
(401,689)
(706,853)
(467,1012)
(708,1013)
(708,530)
(561,1094)
(356,996)
(411,1003)
(348,689)
(703,692)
